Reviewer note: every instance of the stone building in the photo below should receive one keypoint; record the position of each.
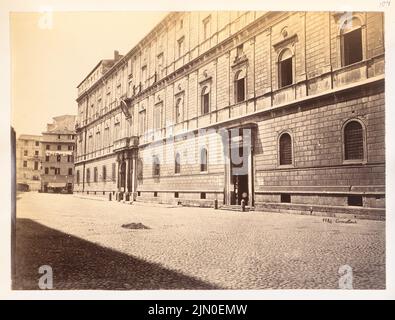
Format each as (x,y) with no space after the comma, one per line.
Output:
(28,162)
(57,145)
(281,110)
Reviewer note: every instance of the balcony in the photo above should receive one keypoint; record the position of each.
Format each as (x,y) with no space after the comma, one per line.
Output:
(126,143)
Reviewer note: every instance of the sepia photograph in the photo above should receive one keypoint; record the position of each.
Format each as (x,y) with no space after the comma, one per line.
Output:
(203,150)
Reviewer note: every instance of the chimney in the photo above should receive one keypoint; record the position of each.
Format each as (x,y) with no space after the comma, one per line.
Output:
(117,56)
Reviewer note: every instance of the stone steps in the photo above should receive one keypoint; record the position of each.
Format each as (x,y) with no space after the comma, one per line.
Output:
(235,208)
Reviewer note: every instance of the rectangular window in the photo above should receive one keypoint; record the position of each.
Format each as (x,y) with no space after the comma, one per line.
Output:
(113,172)
(95,174)
(69,148)
(352,49)
(25,164)
(144,75)
(58,158)
(117,131)
(155,194)
(355,201)
(286,72)
(142,122)
(285,198)
(205,103)
(159,67)
(37,143)
(47,147)
(46,158)
(202,195)
(239,51)
(78,177)
(180,47)
(158,117)
(57,171)
(36,152)
(207,28)
(104,173)
(25,153)
(176,195)
(240,90)
(46,170)
(70,171)
(59,147)
(35,165)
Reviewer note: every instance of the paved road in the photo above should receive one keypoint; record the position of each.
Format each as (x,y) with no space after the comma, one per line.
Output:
(189,248)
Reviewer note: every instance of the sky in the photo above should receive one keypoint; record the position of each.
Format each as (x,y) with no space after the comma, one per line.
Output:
(51,53)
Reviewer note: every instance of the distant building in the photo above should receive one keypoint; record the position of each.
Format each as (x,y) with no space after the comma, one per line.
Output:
(28,158)
(57,145)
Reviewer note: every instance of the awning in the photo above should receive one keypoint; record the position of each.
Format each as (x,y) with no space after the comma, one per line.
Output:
(56,185)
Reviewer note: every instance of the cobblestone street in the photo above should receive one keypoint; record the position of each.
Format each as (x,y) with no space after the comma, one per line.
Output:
(189,248)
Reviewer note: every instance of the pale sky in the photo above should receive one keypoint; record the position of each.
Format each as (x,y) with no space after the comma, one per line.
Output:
(48,62)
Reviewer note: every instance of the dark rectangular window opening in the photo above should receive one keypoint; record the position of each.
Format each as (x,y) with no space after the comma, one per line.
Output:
(240,89)
(352,47)
(354,201)
(139,193)
(176,195)
(155,194)
(285,198)
(206,103)
(202,195)
(286,72)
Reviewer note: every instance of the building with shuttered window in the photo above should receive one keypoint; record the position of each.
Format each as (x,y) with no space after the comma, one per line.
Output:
(281,110)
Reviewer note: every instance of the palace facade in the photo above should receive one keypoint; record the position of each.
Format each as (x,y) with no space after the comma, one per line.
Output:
(282,111)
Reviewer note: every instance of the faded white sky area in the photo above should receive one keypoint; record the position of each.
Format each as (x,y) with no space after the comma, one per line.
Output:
(51,54)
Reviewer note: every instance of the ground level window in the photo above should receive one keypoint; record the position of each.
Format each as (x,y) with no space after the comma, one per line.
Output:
(203,195)
(285,198)
(155,194)
(354,201)
(176,195)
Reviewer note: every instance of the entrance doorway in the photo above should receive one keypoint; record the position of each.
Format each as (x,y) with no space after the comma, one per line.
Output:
(239,175)
(239,184)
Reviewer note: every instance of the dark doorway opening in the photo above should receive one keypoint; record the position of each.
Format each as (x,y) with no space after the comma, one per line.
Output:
(239,176)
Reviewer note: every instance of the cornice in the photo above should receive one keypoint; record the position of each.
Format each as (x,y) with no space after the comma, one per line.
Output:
(250,30)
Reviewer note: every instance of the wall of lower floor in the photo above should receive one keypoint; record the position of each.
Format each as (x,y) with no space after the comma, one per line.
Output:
(319,181)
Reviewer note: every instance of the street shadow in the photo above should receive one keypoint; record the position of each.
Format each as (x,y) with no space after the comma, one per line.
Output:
(78,264)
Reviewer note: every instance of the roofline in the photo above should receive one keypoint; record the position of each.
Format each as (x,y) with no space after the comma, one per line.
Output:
(134,49)
(94,68)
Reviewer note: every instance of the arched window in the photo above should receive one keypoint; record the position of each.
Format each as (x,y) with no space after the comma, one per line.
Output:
(205,100)
(285,152)
(177,111)
(285,73)
(351,41)
(239,86)
(177,163)
(353,141)
(203,160)
(155,166)
(88,175)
